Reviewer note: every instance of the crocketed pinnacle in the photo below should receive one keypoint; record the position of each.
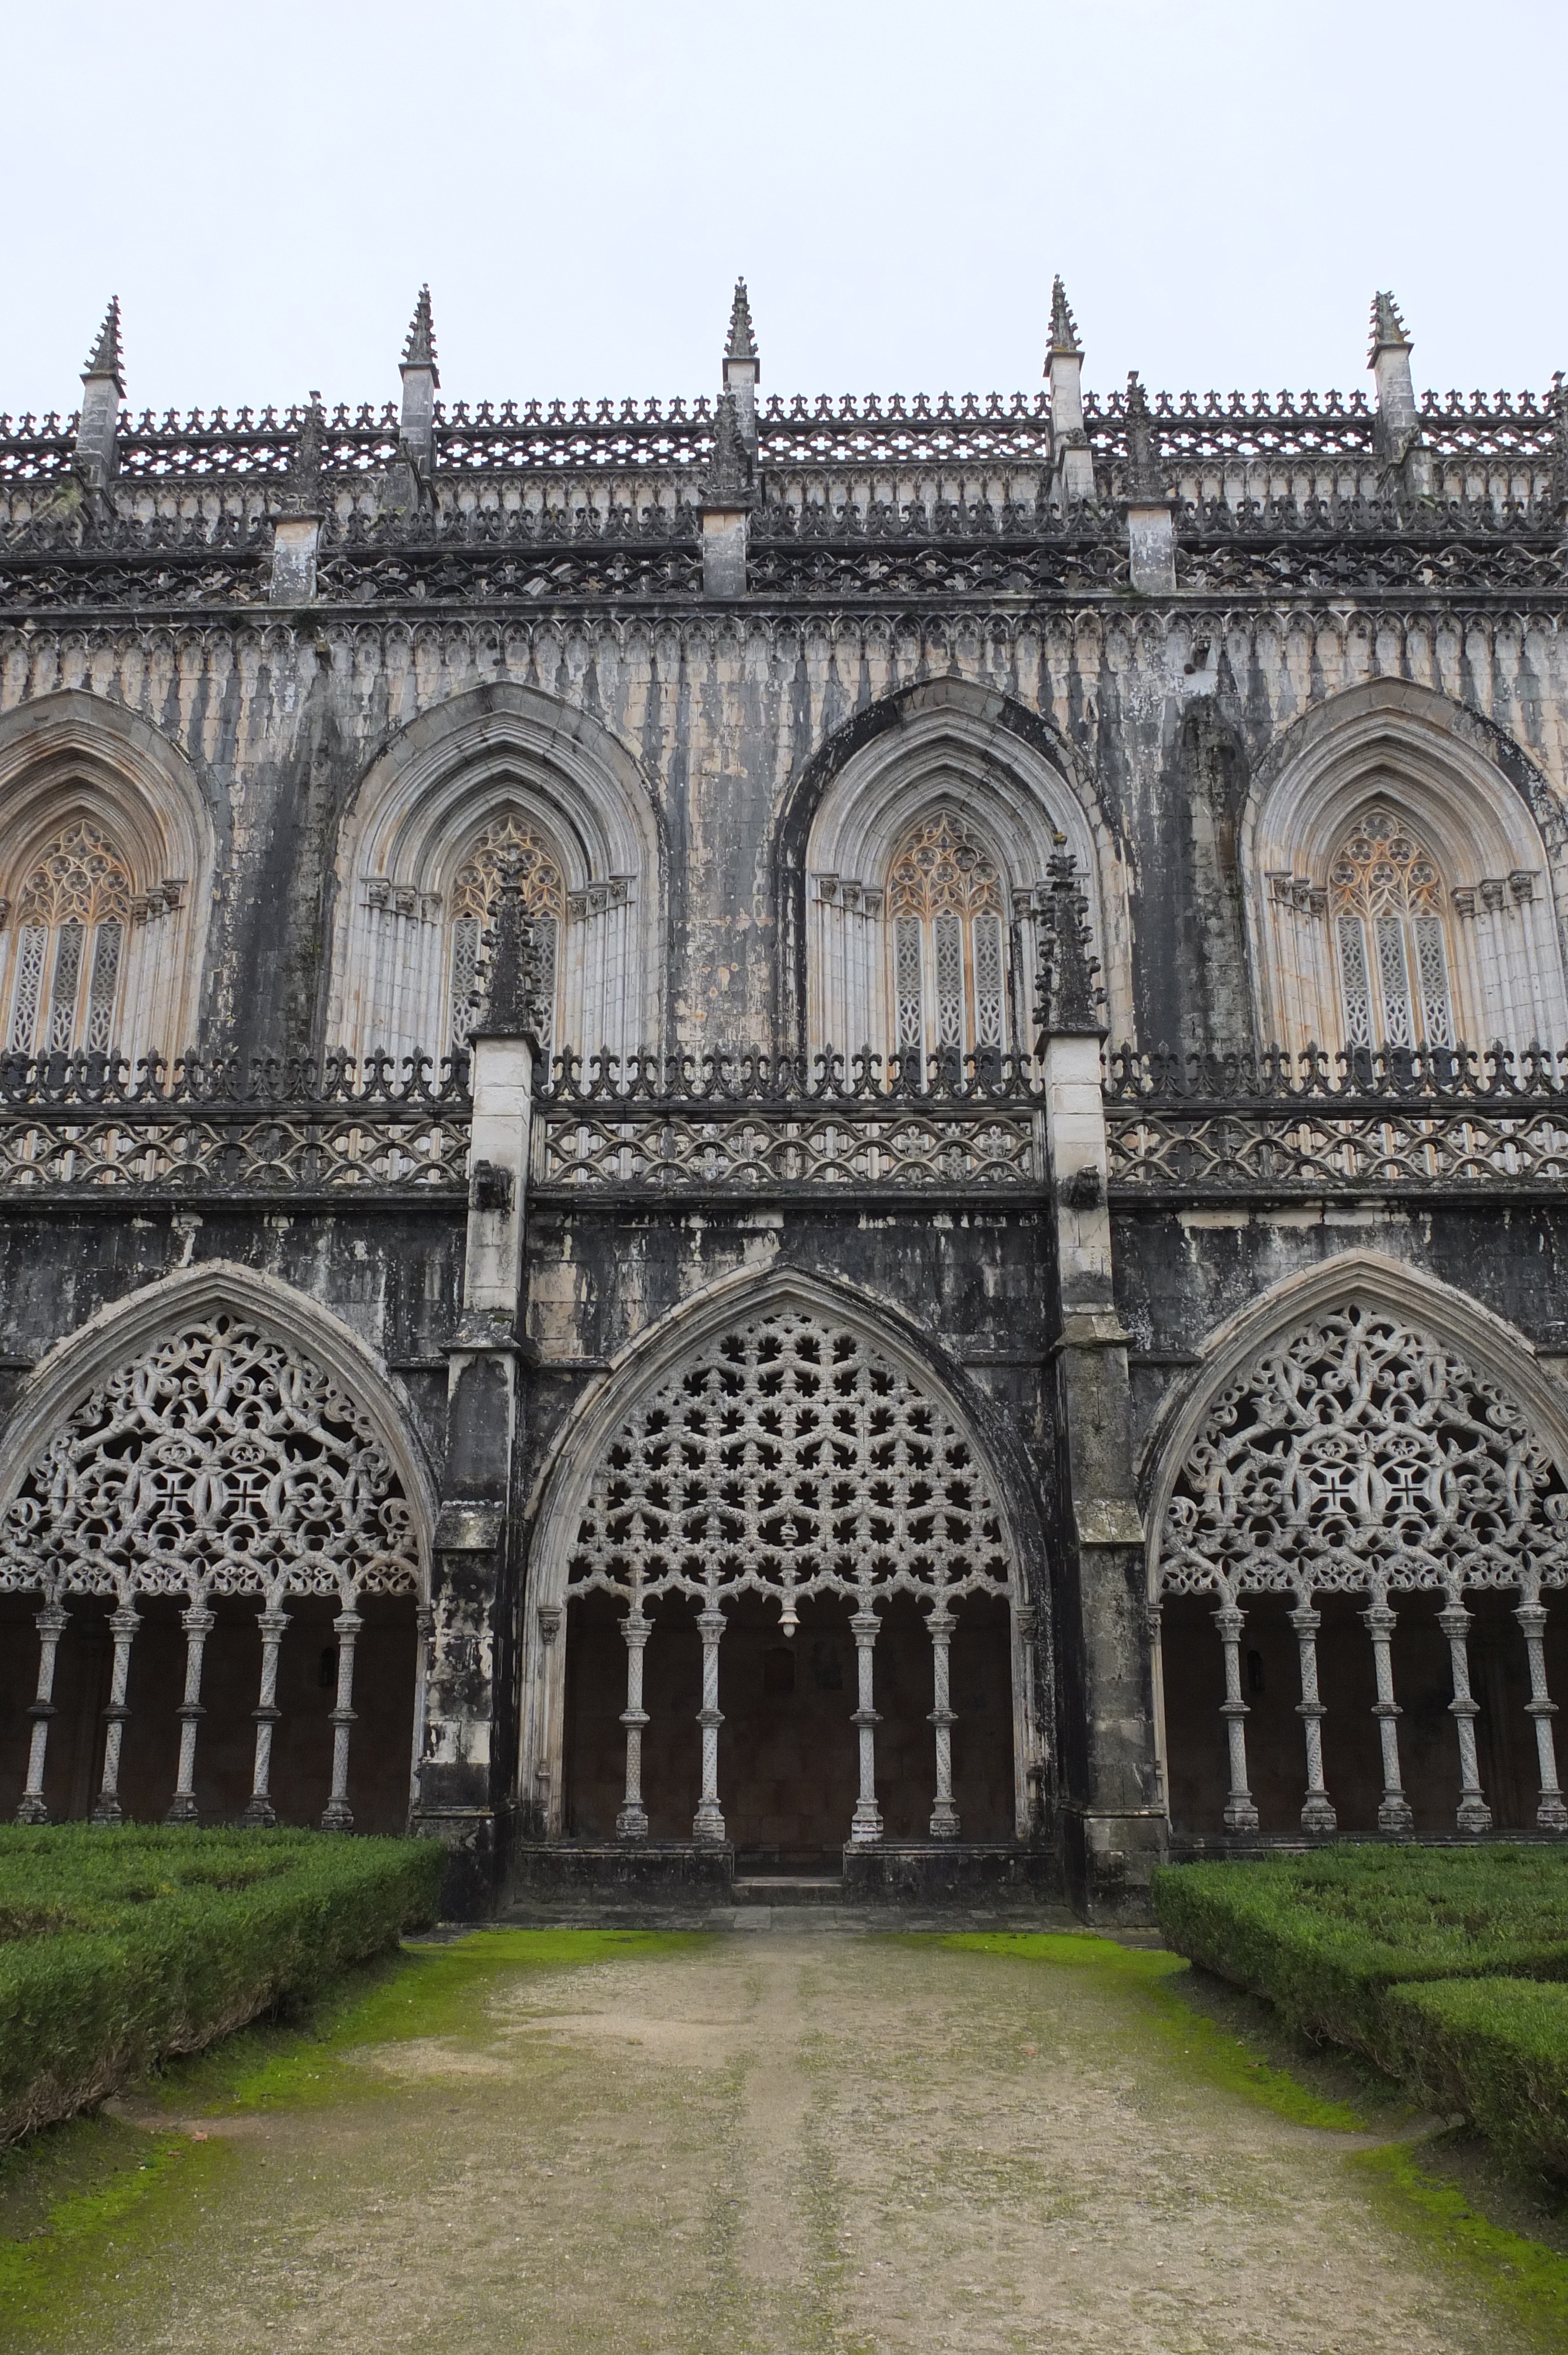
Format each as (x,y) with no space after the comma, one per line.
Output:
(512,1009)
(1070,999)
(420,351)
(1144,479)
(742,343)
(1387,326)
(105,358)
(1063,326)
(729,481)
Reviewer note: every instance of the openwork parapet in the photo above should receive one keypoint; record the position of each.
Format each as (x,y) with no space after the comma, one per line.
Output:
(1356,1121)
(70,1125)
(761,1122)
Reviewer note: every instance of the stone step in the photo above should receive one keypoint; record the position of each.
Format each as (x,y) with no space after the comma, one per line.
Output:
(788,1889)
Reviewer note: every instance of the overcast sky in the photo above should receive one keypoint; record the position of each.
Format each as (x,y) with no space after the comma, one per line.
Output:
(1222,184)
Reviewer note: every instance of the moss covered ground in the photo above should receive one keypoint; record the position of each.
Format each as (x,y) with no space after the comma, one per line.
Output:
(595,2139)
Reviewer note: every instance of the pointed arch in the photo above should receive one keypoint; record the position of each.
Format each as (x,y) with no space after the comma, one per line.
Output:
(715,1335)
(1486,823)
(507,757)
(124,1333)
(108,852)
(945,743)
(1496,1350)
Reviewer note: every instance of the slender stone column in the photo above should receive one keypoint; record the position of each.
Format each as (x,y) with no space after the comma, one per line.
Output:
(708,1823)
(198,1623)
(1394,1813)
(631,1823)
(1318,1813)
(1473,1815)
(944,1814)
(865,1825)
(260,1810)
(123,1623)
(337,1816)
(51,1623)
(1552,1814)
(1241,1816)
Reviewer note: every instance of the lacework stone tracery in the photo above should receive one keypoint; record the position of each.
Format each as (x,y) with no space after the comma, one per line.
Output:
(508,841)
(945,905)
(788,1458)
(1359,1454)
(223,1462)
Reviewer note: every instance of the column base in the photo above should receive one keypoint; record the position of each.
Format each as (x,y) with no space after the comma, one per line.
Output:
(1241,1817)
(1474,1816)
(182,1809)
(33,1809)
(337,1816)
(1397,1816)
(1318,1815)
(1552,1816)
(259,1816)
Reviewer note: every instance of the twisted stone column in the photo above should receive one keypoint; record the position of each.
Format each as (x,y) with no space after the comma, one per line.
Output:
(1318,1813)
(1473,1815)
(708,1823)
(1394,1813)
(1241,1816)
(123,1623)
(1551,1814)
(336,1816)
(944,1814)
(865,1824)
(198,1623)
(51,1623)
(631,1823)
(260,1810)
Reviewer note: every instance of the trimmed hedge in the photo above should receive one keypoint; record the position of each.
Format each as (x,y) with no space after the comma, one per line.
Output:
(1443,1966)
(118,1947)
(1495,2049)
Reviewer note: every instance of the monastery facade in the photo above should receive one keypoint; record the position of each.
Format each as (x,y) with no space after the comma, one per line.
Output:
(775,1137)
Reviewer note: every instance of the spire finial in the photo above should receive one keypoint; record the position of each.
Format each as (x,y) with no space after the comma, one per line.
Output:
(514,1007)
(742,345)
(420,351)
(105,359)
(1070,998)
(1387,328)
(1144,480)
(1063,326)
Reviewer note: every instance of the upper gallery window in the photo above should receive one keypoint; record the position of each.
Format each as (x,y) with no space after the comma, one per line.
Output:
(509,841)
(71,916)
(949,941)
(1389,911)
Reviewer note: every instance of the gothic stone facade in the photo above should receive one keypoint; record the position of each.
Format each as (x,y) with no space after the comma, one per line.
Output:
(763,1130)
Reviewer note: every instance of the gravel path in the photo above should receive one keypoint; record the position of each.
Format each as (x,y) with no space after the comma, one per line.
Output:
(786,2143)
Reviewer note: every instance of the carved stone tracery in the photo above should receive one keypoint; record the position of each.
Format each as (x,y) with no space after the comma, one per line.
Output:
(787,1458)
(222,1462)
(1360,1455)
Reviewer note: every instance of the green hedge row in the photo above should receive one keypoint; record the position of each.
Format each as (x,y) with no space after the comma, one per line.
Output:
(120,1947)
(1444,1966)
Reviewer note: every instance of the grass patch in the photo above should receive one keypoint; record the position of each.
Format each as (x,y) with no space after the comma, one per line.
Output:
(1156,1979)
(1528,2280)
(118,1947)
(75,2196)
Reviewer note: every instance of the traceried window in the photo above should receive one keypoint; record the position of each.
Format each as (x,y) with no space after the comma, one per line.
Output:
(1388,908)
(508,841)
(70,924)
(948,928)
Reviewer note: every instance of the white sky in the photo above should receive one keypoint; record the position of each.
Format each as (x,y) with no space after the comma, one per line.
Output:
(1222,184)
